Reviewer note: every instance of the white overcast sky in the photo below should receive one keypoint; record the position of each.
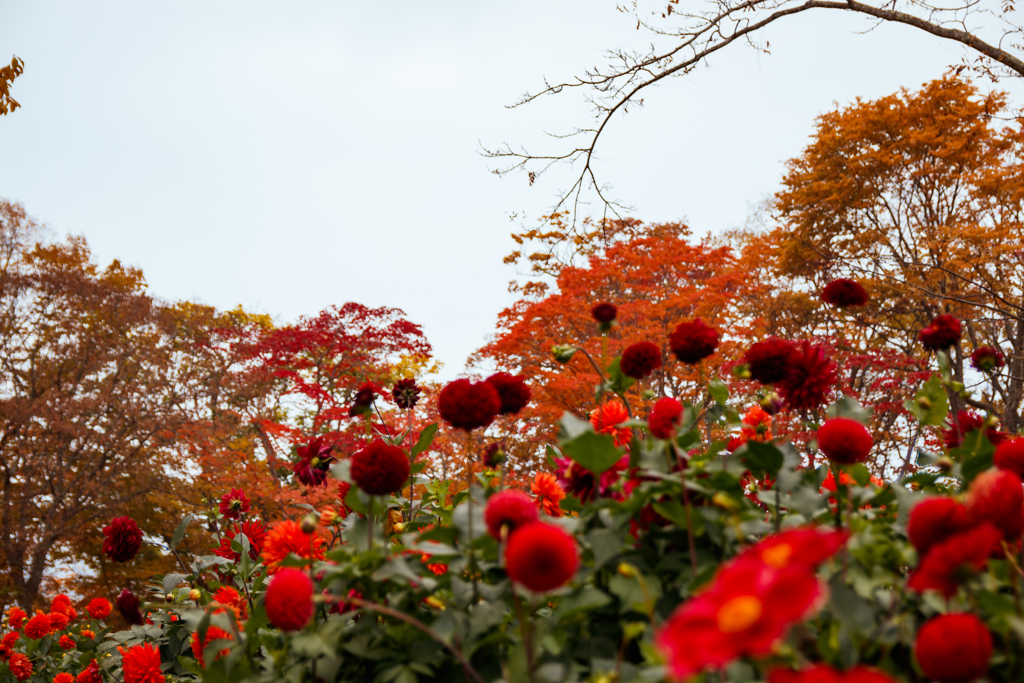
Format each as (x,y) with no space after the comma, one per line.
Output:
(290,156)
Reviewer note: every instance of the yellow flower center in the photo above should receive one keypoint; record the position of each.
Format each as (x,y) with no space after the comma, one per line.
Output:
(739,614)
(777,556)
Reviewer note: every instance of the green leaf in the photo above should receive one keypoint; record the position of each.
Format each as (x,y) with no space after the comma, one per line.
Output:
(930,405)
(179,533)
(860,474)
(762,457)
(587,599)
(618,383)
(354,502)
(172,580)
(675,512)
(594,452)
(719,392)
(426,438)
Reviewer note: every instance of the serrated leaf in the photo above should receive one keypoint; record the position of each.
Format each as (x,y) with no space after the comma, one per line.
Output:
(179,533)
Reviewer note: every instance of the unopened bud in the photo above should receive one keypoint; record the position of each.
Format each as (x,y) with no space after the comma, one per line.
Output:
(309,523)
(771,403)
(724,501)
(924,403)
(399,527)
(627,570)
(169,597)
(563,352)
(944,463)
(195,594)
(434,602)
(991,422)
(741,371)
(328,517)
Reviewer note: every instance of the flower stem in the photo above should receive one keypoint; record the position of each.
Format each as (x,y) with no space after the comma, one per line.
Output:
(524,628)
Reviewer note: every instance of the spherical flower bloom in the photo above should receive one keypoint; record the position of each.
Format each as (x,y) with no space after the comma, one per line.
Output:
(665,418)
(289,599)
(7,643)
(58,621)
(996,496)
(819,673)
(99,608)
(91,674)
(141,664)
(968,421)
(380,468)
(512,390)
(604,312)
(287,537)
(124,538)
(468,405)
(362,404)
(212,633)
(15,616)
(844,441)
(314,460)
(20,666)
(842,293)
(640,359)
(935,519)
(607,418)
(66,642)
(943,332)
(693,341)
(508,510)
(253,529)
(549,493)
(234,504)
(541,556)
(64,676)
(406,394)
(62,603)
(987,359)
(1009,455)
(128,605)
(953,648)
(805,547)
(946,563)
(38,626)
(768,360)
(809,379)
(232,599)
(581,482)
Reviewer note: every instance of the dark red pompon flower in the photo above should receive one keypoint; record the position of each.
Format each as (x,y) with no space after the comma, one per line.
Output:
(693,341)
(128,605)
(541,557)
(953,648)
(665,417)
(1009,455)
(124,538)
(640,359)
(768,360)
(380,468)
(509,510)
(844,441)
(289,599)
(468,405)
(987,359)
(943,332)
(935,519)
(234,504)
(843,293)
(809,379)
(406,394)
(362,404)
(996,496)
(512,390)
(604,312)
(314,460)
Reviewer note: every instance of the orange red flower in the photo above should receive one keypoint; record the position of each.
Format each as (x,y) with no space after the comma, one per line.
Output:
(549,492)
(606,419)
(20,666)
(99,608)
(287,537)
(141,664)
(212,633)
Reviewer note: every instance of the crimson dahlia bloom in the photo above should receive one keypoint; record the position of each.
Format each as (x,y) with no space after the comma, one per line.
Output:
(953,648)
(810,378)
(541,556)
(640,359)
(468,405)
(141,664)
(38,627)
(968,421)
(996,496)
(380,468)
(805,547)
(582,483)
(314,460)
(99,608)
(604,312)
(768,360)
(91,674)
(951,560)
(512,390)
(820,673)
(124,538)
(406,394)
(289,599)
(20,666)
(362,404)
(987,359)
(15,616)
(843,293)
(508,510)
(665,418)
(212,633)
(943,332)
(844,441)
(58,621)
(234,504)
(128,606)
(935,519)
(253,529)
(693,341)
(1009,456)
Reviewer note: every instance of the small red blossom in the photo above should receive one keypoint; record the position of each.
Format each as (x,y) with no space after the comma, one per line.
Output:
(844,441)
(810,377)
(66,642)
(124,538)
(582,483)
(935,519)
(494,454)
(943,332)
(508,510)
(1009,456)
(38,626)
(640,359)
(7,644)
(953,648)
(549,493)
(58,621)
(141,663)
(314,460)
(231,598)
(62,603)
(406,394)
(768,360)
(951,560)
(20,666)
(86,633)
(607,418)
(234,504)
(468,405)
(128,605)
(541,557)
(99,608)
(820,673)
(91,674)
(212,633)
(380,468)
(253,529)
(987,359)
(996,497)
(968,421)
(512,390)
(289,599)
(843,293)
(15,617)
(286,538)
(362,404)
(604,312)
(693,341)
(665,418)
(63,677)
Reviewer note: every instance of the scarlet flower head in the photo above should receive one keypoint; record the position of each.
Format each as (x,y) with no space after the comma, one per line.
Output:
(1009,455)
(314,460)
(380,468)
(820,673)
(64,676)
(987,359)
(948,562)
(935,519)
(665,418)
(604,312)
(844,441)
(640,359)
(843,293)
(20,666)
(362,404)
(91,674)
(287,537)
(289,599)
(58,621)
(66,643)
(212,633)
(232,599)
(15,616)
(768,360)
(943,332)
(406,394)
(757,425)
(38,627)
(693,341)
(62,603)
(996,496)
(809,379)
(124,538)
(512,390)
(805,547)
(953,648)
(468,405)
(234,504)
(128,605)
(582,483)
(549,493)
(252,529)
(508,510)
(141,663)
(7,643)
(607,418)
(541,557)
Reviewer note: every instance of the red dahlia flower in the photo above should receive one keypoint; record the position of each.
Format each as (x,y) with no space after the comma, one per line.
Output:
(380,468)
(141,663)
(843,293)
(768,360)
(607,418)
(38,627)
(549,493)
(232,599)
(494,454)
(253,529)
(66,643)
(234,504)
(953,648)
(124,538)
(62,603)
(604,312)
(99,608)
(809,379)
(582,483)
(287,537)
(58,621)
(91,674)
(968,421)
(987,359)
(935,519)
(943,332)
(362,404)
(468,405)
(64,676)
(541,556)
(512,390)
(314,460)
(20,666)
(665,418)
(507,511)
(1009,456)
(996,497)
(820,673)
(128,605)
(805,547)
(406,394)
(844,441)
(212,633)
(7,643)
(951,560)
(640,359)
(693,341)
(289,599)
(15,616)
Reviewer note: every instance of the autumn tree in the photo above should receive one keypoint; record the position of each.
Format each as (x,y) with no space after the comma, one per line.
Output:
(7,75)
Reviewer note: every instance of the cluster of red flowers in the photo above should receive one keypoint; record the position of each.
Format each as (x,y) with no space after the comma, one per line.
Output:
(751,603)
(469,405)
(803,373)
(124,538)
(968,421)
